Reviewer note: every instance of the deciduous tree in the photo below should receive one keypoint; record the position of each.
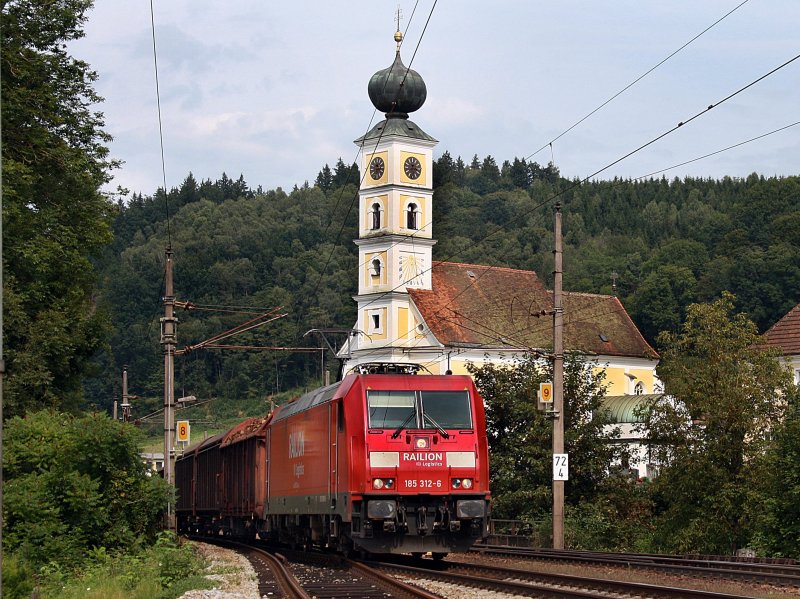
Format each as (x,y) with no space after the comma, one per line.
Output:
(55,217)
(711,428)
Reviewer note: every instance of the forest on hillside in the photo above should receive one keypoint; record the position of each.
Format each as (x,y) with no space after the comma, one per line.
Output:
(658,244)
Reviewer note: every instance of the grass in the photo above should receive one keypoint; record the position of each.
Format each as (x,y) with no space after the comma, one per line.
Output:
(164,571)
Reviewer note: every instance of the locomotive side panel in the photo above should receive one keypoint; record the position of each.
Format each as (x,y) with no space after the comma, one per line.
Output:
(299,469)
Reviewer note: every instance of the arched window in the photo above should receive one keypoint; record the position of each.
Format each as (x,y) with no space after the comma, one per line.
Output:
(638,389)
(376,216)
(376,267)
(411,216)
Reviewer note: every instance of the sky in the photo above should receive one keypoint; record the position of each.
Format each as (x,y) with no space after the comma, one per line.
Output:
(275,90)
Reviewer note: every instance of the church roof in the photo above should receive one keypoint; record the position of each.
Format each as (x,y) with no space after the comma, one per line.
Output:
(623,408)
(489,307)
(785,334)
(397,90)
(394,126)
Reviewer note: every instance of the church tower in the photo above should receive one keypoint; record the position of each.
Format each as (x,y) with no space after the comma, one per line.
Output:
(395,240)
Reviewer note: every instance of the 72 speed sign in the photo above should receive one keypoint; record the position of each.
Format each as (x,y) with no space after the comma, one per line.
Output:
(560,466)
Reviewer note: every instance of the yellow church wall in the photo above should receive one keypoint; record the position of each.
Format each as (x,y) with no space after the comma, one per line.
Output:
(619,383)
(402,323)
(615,379)
(646,376)
(459,367)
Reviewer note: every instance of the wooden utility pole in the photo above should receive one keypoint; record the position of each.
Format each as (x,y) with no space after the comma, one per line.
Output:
(168,342)
(558,385)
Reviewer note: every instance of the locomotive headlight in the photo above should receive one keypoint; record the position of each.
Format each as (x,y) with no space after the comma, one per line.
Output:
(467,483)
(389,483)
(456,483)
(377,483)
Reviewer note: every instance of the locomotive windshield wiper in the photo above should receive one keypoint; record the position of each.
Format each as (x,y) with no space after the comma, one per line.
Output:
(437,426)
(408,419)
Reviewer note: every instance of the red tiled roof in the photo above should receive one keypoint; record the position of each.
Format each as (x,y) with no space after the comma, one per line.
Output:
(491,307)
(785,334)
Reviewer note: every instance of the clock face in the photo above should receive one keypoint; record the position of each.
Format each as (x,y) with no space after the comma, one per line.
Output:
(412,167)
(376,168)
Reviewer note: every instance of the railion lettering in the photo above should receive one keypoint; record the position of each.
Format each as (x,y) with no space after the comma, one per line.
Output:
(297,445)
(422,456)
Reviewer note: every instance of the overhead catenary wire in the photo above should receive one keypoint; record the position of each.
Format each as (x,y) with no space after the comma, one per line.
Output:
(569,318)
(546,145)
(378,141)
(360,151)
(636,80)
(576,184)
(160,127)
(549,199)
(736,145)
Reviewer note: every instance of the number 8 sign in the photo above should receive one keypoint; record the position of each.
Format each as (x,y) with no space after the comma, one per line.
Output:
(182,431)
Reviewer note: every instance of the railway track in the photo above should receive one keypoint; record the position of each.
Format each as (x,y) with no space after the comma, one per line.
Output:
(305,575)
(525,583)
(778,572)
(301,575)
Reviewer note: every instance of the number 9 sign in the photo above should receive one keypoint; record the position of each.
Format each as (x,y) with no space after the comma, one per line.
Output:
(182,431)
(546,392)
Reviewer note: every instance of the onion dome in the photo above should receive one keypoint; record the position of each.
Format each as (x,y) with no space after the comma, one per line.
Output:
(397,90)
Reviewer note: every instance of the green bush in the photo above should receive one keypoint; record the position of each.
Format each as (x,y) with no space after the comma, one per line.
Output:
(73,484)
(18,578)
(163,571)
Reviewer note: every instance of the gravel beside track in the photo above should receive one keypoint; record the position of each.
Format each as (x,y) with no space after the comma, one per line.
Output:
(738,587)
(232,573)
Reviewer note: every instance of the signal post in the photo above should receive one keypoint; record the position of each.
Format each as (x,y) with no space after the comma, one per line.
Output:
(559,475)
(168,342)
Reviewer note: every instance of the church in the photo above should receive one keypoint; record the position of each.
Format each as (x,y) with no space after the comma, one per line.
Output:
(444,315)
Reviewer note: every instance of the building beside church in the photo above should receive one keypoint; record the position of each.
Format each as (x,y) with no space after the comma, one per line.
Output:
(444,315)
(785,335)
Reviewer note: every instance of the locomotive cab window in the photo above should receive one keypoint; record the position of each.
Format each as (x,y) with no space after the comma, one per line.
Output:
(446,409)
(390,409)
(421,409)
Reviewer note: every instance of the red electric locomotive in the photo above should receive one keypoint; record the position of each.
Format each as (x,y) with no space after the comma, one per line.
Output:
(384,463)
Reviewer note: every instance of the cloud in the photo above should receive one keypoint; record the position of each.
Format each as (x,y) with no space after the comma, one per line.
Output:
(452,111)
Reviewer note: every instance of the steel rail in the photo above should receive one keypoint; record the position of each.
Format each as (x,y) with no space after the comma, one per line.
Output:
(544,584)
(774,573)
(276,563)
(391,582)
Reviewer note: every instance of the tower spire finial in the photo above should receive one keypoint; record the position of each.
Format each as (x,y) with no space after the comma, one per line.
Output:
(398,36)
